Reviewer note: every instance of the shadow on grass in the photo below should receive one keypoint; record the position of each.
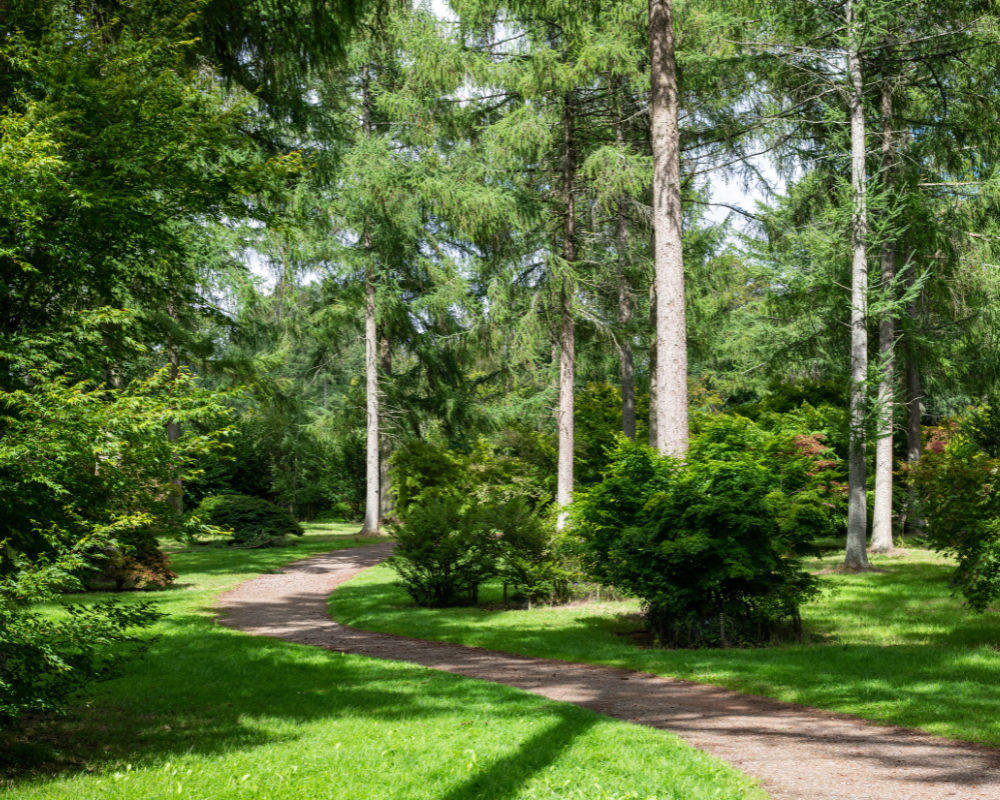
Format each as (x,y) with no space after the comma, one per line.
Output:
(205,690)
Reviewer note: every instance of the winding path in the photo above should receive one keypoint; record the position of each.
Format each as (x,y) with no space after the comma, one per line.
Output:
(798,753)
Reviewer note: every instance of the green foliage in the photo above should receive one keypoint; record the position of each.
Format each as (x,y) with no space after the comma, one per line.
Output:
(253,521)
(457,534)
(85,477)
(712,544)
(46,657)
(421,470)
(444,550)
(959,491)
(981,426)
(520,465)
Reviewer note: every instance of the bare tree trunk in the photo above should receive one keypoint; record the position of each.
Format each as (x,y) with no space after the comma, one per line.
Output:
(625,309)
(653,404)
(914,445)
(671,328)
(567,333)
(386,504)
(855,555)
(371,523)
(176,499)
(882,513)
(625,302)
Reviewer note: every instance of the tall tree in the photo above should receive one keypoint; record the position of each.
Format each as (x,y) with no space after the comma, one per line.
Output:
(671,329)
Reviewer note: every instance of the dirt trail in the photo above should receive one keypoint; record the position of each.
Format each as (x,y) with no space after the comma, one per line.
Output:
(798,753)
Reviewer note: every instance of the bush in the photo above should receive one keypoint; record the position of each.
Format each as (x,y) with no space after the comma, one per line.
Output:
(139,569)
(444,551)
(958,487)
(532,559)
(46,657)
(711,545)
(254,522)
(448,547)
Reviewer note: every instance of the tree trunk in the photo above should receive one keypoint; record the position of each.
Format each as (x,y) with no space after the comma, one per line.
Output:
(625,310)
(914,445)
(176,499)
(882,513)
(855,556)
(371,523)
(671,335)
(386,504)
(567,335)
(653,405)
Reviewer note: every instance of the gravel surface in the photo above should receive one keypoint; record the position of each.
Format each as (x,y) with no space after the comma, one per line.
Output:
(795,751)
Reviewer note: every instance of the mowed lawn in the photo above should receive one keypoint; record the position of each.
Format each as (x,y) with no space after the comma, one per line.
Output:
(890,646)
(213,713)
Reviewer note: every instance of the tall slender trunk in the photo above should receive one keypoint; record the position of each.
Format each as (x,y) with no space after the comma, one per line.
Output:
(567,334)
(882,513)
(625,306)
(386,504)
(176,498)
(671,328)
(653,404)
(855,555)
(914,445)
(371,523)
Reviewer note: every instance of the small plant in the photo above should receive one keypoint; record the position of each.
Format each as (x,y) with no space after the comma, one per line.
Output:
(253,521)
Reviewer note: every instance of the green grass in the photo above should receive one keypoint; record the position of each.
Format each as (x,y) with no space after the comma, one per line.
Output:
(212,713)
(889,646)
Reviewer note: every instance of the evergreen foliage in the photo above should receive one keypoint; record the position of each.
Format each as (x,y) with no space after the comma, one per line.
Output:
(711,545)
(252,521)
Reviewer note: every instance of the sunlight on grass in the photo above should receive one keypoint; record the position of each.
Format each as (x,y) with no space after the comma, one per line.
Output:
(890,646)
(213,713)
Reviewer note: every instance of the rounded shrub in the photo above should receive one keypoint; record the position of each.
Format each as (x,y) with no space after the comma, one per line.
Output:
(711,545)
(252,520)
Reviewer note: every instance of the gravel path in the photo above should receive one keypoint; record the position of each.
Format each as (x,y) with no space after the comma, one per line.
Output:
(795,751)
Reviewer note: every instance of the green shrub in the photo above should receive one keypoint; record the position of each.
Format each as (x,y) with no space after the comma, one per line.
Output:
(253,521)
(711,545)
(958,488)
(447,547)
(444,551)
(533,562)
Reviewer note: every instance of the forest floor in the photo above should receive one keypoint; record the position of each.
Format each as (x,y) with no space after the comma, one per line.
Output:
(214,713)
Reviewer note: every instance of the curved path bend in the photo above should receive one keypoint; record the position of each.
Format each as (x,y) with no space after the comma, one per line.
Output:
(797,753)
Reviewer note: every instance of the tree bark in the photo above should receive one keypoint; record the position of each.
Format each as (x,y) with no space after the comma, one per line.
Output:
(386,504)
(882,512)
(372,467)
(176,499)
(855,555)
(671,329)
(653,405)
(567,333)
(914,445)
(625,309)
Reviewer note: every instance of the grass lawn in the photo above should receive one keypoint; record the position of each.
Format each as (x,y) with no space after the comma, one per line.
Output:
(890,646)
(212,713)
